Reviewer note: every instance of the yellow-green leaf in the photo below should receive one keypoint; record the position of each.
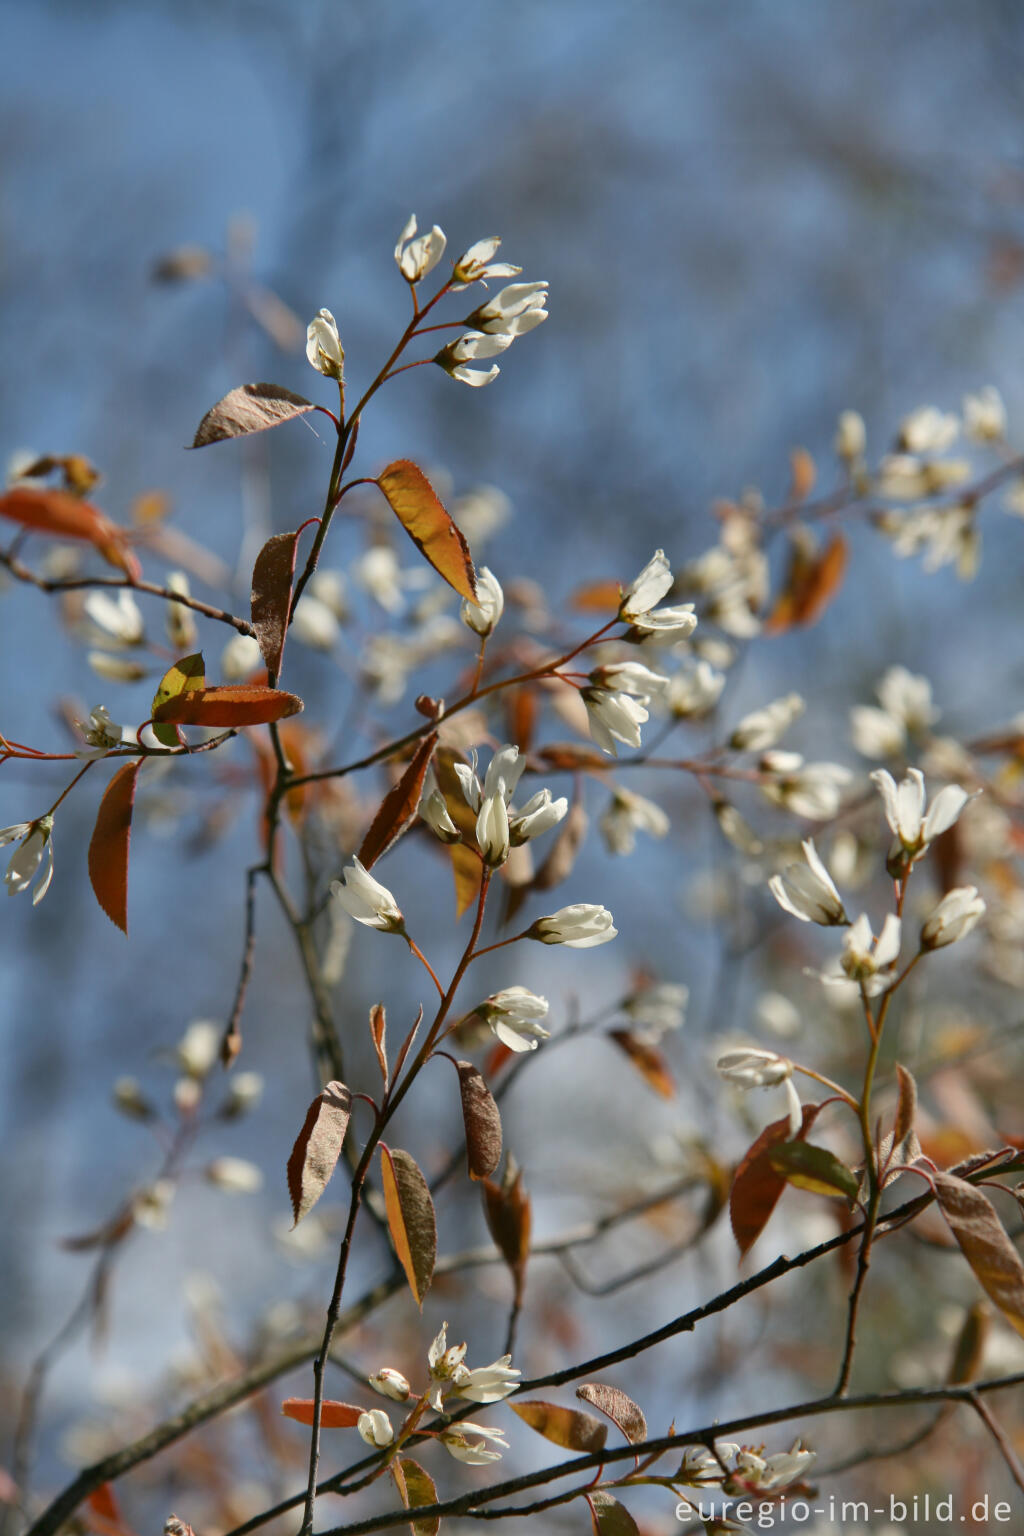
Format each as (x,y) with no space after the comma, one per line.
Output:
(185,675)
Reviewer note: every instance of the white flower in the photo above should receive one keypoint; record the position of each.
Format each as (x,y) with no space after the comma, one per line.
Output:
(695,691)
(434,811)
(808,891)
(625,815)
(391,1383)
(199,1047)
(614,717)
(323,346)
(492,832)
(851,437)
(865,960)
(514,1015)
(471,347)
(475,265)
(417,257)
(811,790)
(753,1473)
(752,1068)
(762,728)
(496,817)
(928,430)
(908,697)
(680,621)
(34,852)
(375,1427)
(538,815)
(985,416)
(130,1100)
(489,1383)
(875,733)
(245,1089)
(365,899)
(116,669)
(658,1008)
(468,1442)
(118,618)
(235,1175)
(482,616)
(648,589)
(580,926)
(630,677)
(151,1204)
(328,587)
(239,658)
(101,732)
(180,621)
(905,810)
(378,573)
(314,624)
(517,309)
(957,913)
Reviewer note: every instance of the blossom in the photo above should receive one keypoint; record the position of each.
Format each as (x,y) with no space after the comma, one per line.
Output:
(444,1361)
(580,926)
(492,830)
(960,910)
(906,706)
(754,1473)
(417,257)
(499,825)
(625,815)
(865,960)
(514,1015)
(695,691)
(851,437)
(913,829)
(471,347)
(516,310)
(629,677)
(199,1048)
(658,1008)
(985,416)
(613,717)
(489,1383)
(750,1067)
(762,728)
(538,815)
(876,733)
(808,891)
(648,589)
(812,790)
(323,346)
(390,1383)
(434,811)
(365,899)
(239,658)
(314,624)
(35,852)
(151,1204)
(235,1175)
(180,621)
(375,1427)
(928,430)
(468,1442)
(475,265)
(245,1089)
(117,617)
(101,732)
(482,616)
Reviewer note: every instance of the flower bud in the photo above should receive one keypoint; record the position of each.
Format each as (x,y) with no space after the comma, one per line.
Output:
(375,1428)
(959,911)
(390,1383)
(323,346)
(482,616)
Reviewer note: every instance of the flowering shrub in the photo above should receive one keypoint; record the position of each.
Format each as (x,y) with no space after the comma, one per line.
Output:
(543,708)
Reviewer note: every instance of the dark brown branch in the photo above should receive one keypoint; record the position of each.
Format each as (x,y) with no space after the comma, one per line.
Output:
(77,583)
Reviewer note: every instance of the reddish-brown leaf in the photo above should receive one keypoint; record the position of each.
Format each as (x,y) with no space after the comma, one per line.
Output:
(317,1148)
(103,1502)
(416,1490)
(64,516)
(647,1060)
(482,1121)
(609,1517)
(811,582)
(398,808)
(414,502)
(565,847)
(509,1220)
(974,1222)
(411,1219)
(757,1186)
(272,596)
(110,843)
(597,597)
(622,1410)
(906,1107)
(228,708)
(333,1415)
(567,757)
(106,1236)
(249,408)
(378,1032)
(565,1426)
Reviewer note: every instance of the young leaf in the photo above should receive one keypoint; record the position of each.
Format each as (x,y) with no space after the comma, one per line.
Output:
(272,596)
(482,1120)
(378,1031)
(597,597)
(249,408)
(110,843)
(509,1220)
(565,1426)
(228,708)
(411,1220)
(647,1060)
(333,1415)
(186,675)
(64,516)
(411,497)
(906,1108)
(609,1517)
(416,1490)
(565,847)
(398,809)
(814,1168)
(623,1412)
(756,1185)
(317,1148)
(812,581)
(973,1221)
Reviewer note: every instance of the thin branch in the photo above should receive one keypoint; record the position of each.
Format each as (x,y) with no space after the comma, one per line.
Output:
(76,583)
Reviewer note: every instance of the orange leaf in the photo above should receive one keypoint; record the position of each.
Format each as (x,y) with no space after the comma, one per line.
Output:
(465,864)
(757,1186)
(411,1220)
(64,516)
(412,499)
(317,1148)
(272,596)
(647,1060)
(333,1415)
(482,1121)
(378,1034)
(597,597)
(242,704)
(811,582)
(565,1426)
(398,808)
(111,839)
(803,473)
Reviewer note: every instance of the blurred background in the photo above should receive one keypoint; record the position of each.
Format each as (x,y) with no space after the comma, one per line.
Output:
(751,217)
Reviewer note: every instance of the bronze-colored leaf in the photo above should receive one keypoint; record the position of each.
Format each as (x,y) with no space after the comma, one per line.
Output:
(411,1219)
(803,473)
(482,1121)
(317,1148)
(378,1032)
(414,502)
(466,866)
(756,1185)
(597,597)
(814,1168)
(229,708)
(974,1222)
(398,809)
(609,1517)
(647,1060)
(62,515)
(416,1490)
(509,1220)
(813,579)
(564,1426)
(333,1415)
(272,596)
(906,1108)
(249,408)
(969,1348)
(622,1410)
(110,844)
